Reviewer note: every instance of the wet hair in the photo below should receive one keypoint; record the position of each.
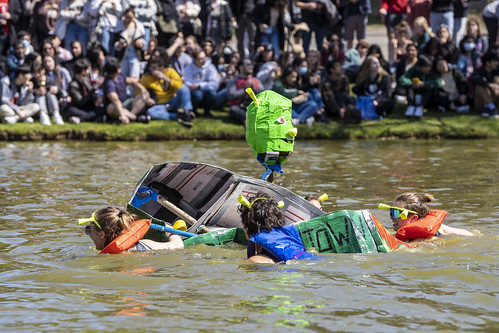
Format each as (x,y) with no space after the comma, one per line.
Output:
(263,215)
(114,222)
(415,202)
(111,66)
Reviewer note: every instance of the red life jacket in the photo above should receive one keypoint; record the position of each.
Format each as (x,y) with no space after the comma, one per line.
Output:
(392,242)
(423,228)
(129,238)
(241,84)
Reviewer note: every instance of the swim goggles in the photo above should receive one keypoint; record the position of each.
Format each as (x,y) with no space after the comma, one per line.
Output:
(397,212)
(88,220)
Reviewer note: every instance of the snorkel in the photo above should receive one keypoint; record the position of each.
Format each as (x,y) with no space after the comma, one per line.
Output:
(403,212)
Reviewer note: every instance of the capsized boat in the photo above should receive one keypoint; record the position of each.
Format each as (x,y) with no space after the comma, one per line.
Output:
(205,196)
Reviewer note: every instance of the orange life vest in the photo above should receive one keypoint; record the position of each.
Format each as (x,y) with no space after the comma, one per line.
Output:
(392,242)
(423,228)
(128,239)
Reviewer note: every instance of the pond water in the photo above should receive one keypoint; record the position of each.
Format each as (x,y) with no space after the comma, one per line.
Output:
(51,277)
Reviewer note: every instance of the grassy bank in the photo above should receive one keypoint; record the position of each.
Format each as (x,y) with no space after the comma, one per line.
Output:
(434,124)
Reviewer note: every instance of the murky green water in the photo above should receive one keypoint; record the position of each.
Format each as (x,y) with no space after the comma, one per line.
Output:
(51,278)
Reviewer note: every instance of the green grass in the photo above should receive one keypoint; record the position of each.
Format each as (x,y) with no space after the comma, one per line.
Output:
(434,125)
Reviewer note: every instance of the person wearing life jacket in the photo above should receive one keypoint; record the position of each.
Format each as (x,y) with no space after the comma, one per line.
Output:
(269,240)
(114,231)
(413,220)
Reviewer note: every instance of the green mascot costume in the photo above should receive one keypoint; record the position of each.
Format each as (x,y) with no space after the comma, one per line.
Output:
(269,130)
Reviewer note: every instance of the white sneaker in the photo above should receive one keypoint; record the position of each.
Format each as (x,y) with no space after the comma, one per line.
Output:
(418,112)
(295,121)
(410,111)
(400,99)
(74,120)
(464,108)
(28,120)
(310,121)
(44,119)
(485,114)
(57,119)
(9,120)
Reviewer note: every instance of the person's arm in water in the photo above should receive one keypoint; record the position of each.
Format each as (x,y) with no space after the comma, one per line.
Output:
(174,243)
(261,259)
(446,230)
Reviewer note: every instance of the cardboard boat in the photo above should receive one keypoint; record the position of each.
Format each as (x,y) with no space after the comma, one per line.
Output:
(205,196)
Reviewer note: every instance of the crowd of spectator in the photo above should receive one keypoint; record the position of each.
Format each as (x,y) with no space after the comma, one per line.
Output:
(141,60)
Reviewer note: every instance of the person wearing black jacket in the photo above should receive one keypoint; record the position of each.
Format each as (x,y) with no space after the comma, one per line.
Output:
(244,11)
(167,21)
(85,104)
(373,81)
(217,20)
(453,94)
(486,88)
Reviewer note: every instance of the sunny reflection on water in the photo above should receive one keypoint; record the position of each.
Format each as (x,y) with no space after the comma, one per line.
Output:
(52,279)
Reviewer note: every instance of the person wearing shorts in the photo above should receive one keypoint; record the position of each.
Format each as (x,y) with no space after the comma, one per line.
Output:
(355,13)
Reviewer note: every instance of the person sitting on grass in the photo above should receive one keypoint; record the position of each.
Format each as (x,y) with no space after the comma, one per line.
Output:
(335,89)
(374,82)
(85,103)
(18,102)
(116,101)
(108,225)
(236,90)
(420,82)
(486,86)
(303,109)
(202,78)
(15,58)
(46,91)
(453,94)
(270,241)
(166,89)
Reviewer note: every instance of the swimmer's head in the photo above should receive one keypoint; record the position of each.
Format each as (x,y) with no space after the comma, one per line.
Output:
(106,224)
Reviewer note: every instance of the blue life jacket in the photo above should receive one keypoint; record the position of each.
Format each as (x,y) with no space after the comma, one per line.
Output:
(282,243)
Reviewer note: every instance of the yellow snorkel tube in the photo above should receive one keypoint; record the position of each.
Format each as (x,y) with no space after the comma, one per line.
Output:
(404,213)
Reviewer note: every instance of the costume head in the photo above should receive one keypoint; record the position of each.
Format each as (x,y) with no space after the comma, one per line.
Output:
(269,130)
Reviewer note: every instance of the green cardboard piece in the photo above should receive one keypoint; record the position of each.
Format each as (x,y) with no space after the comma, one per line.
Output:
(268,124)
(345,231)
